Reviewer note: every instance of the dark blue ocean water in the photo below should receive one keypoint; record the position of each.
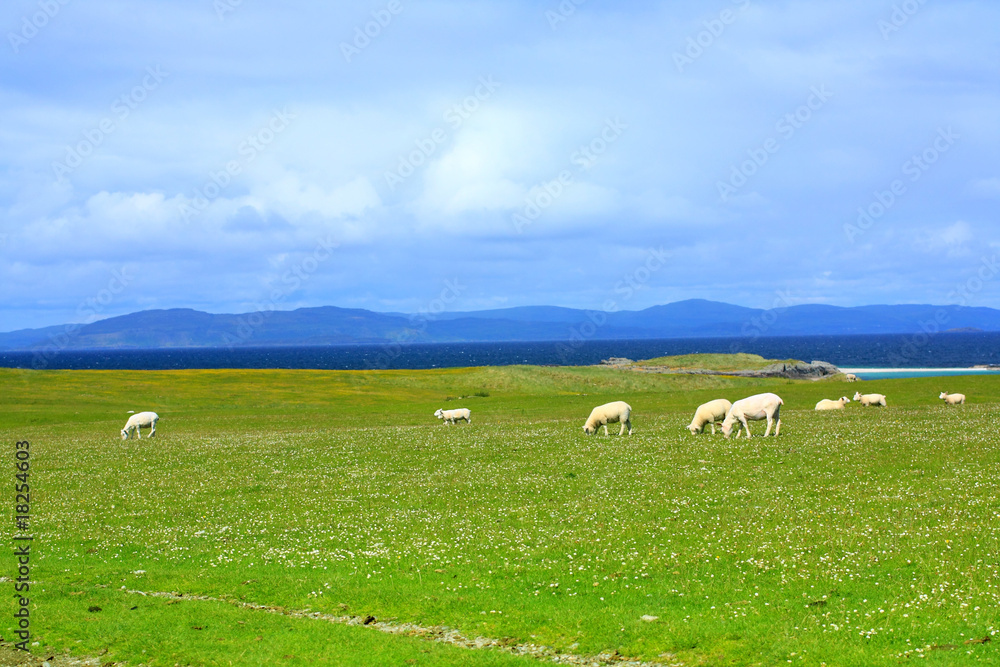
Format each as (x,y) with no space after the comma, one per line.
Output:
(943,350)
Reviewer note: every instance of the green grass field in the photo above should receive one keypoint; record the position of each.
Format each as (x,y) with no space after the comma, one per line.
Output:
(862,537)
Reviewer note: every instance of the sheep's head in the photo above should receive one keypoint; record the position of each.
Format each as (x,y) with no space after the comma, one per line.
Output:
(439,414)
(694,429)
(124,434)
(857,396)
(588,430)
(845,399)
(727,427)
(943,395)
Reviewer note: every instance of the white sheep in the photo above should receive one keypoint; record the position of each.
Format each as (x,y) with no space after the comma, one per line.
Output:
(753,408)
(609,413)
(138,422)
(870,399)
(709,413)
(952,399)
(451,416)
(850,377)
(827,404)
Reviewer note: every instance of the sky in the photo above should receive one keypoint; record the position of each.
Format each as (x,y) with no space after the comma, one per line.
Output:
(239,155)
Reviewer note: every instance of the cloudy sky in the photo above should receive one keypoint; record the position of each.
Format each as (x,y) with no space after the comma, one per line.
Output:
(228,155)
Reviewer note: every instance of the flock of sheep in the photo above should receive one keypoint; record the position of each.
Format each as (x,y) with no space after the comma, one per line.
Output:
(753,408)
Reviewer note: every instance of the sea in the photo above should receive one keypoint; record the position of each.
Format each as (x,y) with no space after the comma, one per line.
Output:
(947,353)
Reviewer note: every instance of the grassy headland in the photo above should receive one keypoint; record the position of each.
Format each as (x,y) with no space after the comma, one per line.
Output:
(715,362)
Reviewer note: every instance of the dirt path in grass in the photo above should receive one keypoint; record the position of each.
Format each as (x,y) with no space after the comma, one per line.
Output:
(12,657)
(437,634)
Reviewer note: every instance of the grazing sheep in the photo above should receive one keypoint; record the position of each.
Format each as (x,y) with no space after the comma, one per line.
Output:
(138,422)
(870,399)
(827,404)
(952,399)
(709,413)
(609,413)
(753,408)
(850,377)
(451,416)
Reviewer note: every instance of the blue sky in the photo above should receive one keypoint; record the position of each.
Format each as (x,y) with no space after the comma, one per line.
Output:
(230,155)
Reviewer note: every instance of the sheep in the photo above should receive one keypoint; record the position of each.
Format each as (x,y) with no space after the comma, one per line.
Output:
(709,413)
(138,422)
(609,413)
(870,399)
(952,399)
(754,408)
(850,377)
(827,404)
(451,416)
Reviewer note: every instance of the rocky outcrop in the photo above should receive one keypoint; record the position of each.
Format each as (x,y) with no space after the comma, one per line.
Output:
(800,370)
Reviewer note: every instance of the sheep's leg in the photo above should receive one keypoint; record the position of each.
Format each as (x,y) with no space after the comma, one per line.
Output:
(713,428)
(778,430)
(770,422)
(605,430)
(628,423)
(743,420)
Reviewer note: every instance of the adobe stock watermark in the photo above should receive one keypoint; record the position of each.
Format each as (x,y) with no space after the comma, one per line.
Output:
(913,169)
(786,127)
(32,24)
(418,322)
(900,16)
(455,116)
(962,295)
(544,194)
(562,12)
(704,39)
(625,289)
(757,326)
(121,108)
(363,35)
(248,150)
(89,311)
(291,280)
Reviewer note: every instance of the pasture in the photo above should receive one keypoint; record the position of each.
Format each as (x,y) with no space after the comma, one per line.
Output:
(867,536)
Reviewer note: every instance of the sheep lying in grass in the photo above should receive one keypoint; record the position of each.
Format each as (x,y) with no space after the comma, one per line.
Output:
(709,413)
(827,404)
(753,408)
(451,416)
(952,399)
(609,413)
(870,399)
(138,422)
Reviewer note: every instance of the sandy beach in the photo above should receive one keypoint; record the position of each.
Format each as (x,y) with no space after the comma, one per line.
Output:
(889,373)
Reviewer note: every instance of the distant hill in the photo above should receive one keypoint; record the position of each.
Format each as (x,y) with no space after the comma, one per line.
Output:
(329,325)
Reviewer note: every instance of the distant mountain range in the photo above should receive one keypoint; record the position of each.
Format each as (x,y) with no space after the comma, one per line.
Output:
(329,325)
